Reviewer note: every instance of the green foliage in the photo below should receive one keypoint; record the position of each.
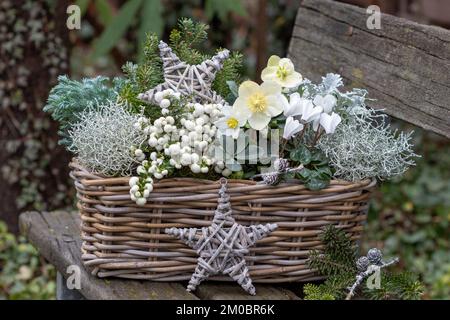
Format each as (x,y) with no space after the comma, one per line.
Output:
(104,10)
(332,289)
(403,286)
(316,174)
(338,257)
(117,27)
(231,72)
(411,216)
(185,41)
(151,22)
(143,76)
(69,98)
(338,263)
(222,8)
(187,38)
(317,292)
(23,275)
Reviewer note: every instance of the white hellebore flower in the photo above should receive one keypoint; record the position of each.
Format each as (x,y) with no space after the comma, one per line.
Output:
(231,123)
(291,128)
(282,72)
(259,103)
(327,102)
(329,123)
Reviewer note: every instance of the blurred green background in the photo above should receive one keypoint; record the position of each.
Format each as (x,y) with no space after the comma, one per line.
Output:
(408,217)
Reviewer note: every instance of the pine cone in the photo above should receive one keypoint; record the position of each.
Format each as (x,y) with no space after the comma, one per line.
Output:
(362,264)
(374,255)
(270,178)
(281,165)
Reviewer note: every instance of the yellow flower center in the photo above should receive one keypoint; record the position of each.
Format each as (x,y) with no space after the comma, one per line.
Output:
(257,102)
(282,73)
(232,123)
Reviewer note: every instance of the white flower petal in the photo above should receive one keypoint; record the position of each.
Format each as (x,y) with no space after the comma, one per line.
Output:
(292,80)
(269,74)
(311,113)
(273,61)
(275,105)
(286,64)
(270,88)
(240,106)
(247,88)
(330,122)
(259,120)
(291,128)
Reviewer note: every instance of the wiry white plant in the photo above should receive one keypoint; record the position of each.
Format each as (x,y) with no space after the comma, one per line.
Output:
(363,147)
(103,139)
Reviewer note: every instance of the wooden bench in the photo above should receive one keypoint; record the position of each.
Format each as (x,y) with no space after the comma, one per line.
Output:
(406,66)
(57,237)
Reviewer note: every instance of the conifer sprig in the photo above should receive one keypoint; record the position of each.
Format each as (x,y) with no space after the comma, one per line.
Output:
(337,263)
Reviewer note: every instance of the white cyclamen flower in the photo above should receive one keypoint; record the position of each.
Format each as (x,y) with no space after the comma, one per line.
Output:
(329,123)
(231,123)
(309,112)
(291,128)
(260,103)
(282,72)
(327,102)
(294,107)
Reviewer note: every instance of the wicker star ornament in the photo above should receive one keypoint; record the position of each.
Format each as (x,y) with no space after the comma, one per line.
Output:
(188,80)
(222,246)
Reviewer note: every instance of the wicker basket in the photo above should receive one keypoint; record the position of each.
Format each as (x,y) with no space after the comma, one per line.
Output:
(124,240)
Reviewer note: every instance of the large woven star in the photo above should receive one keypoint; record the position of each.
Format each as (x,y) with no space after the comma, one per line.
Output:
(188,80)
(222,245)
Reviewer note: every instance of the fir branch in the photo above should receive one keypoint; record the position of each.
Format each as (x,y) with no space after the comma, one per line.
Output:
(185,40)
(337,261)
(403,285)
(231,71)
(338,256)
(317,292)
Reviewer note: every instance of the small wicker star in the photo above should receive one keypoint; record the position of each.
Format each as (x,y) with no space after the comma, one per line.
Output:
(195,80)
(222,245)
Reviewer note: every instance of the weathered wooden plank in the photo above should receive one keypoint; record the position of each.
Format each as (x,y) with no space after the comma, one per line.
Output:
(404,65)
(216,291)
(56,235)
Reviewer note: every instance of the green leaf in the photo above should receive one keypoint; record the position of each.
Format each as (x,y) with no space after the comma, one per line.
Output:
(222,8)
(237,7)
(83,4)
(318,158)
(116,28)
(233,88)
(304,174)
(317,184)
(301,154)
(104,11)
(151,21)
(324,172)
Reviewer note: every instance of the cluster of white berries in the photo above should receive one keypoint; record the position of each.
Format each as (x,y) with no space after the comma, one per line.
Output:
(163,98)
(138,154)
(176,141)
(140,189)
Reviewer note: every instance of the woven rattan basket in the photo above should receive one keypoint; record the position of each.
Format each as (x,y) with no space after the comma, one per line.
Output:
(124,240)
